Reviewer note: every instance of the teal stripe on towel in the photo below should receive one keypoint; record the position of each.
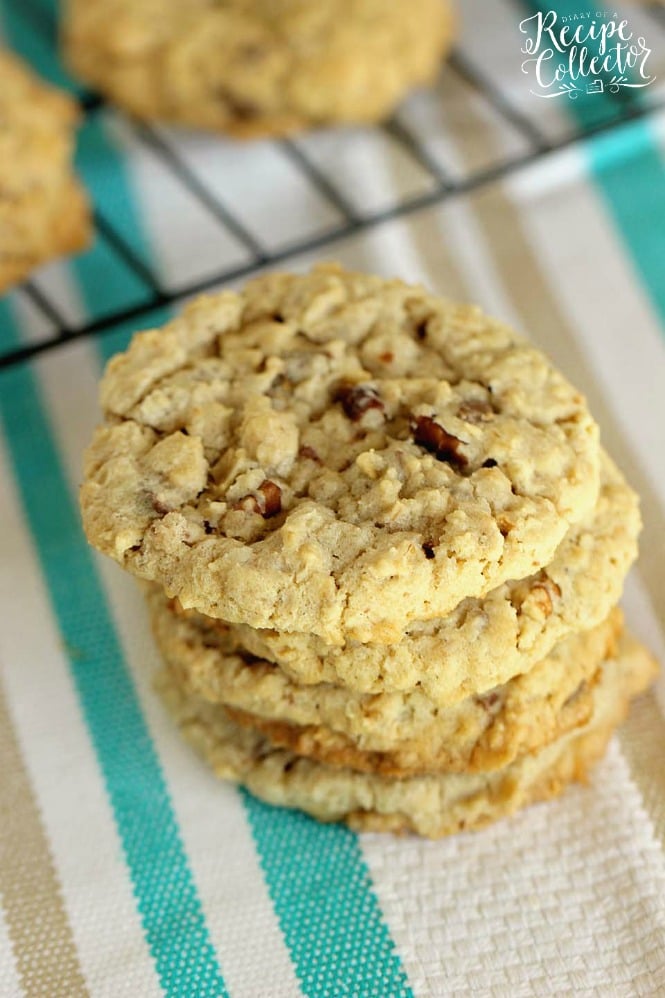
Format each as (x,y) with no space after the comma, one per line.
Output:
(104,170)
(628,169)
(323,897)
(164,888)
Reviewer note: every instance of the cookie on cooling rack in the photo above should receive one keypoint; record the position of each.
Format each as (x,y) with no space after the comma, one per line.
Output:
(337,454)
(261,68)
(43,209)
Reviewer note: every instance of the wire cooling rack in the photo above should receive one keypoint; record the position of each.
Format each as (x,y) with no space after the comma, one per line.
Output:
(534,144)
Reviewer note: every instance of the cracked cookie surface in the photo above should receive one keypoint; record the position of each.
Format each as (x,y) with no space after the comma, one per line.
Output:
(43,209)
(335,454)
(431,805)
(265,67)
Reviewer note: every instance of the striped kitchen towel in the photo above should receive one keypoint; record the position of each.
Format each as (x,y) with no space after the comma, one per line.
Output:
(125,868)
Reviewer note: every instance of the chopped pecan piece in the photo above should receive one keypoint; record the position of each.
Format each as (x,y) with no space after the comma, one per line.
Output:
(576,694)
(238,107)
(487,700)
(475,411)
(158,505)
(357,399)
(251,52)
(543,593)
(438,441)
(505,525)
(307,451)
(421,329)
(272,499)
(268,502)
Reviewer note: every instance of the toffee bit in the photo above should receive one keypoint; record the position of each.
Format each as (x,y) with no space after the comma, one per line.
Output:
(438,441)
(475,411)
(356,400)
(428,549)
(490,463)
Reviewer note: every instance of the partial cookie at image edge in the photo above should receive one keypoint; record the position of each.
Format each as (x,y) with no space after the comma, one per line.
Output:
(44,210)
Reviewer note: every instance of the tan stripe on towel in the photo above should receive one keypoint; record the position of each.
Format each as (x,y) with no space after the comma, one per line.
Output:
(524,280)
(37,923)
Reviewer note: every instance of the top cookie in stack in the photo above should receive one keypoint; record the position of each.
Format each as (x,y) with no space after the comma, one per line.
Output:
(350,475)
(336,455)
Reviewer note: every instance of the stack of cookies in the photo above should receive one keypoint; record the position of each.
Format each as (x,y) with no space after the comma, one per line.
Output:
(382,545)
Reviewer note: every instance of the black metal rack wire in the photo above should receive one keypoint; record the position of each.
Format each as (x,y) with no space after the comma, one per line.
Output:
(442,187)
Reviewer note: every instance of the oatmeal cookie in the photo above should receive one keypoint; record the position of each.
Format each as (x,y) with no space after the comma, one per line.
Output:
(483,642)
(431,805)
(395,734)
(257,67)
(335,454)
(43,209)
